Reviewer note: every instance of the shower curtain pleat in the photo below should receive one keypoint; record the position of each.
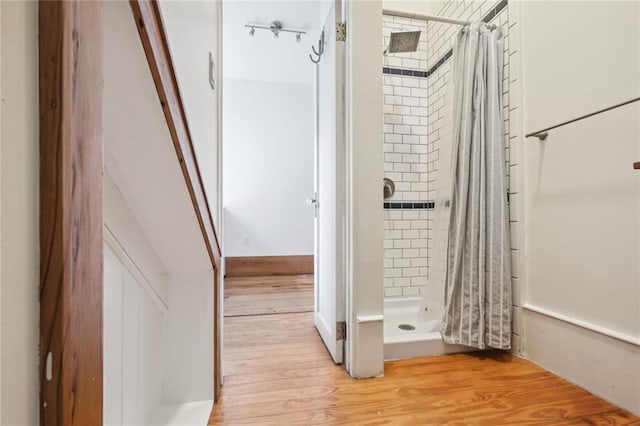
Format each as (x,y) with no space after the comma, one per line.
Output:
(478,269)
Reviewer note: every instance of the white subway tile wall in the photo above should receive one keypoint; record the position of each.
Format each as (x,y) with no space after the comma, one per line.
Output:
(413,127)
(406,257)
(407,161)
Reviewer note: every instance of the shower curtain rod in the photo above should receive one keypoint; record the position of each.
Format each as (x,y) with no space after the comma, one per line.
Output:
(423,17)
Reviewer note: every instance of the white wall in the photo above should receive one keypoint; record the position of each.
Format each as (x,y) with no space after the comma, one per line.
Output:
(188,355)
(19,214)
(193,29)
(268,173)
(581,313)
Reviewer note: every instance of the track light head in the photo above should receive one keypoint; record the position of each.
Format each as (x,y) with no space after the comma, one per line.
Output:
(275,27)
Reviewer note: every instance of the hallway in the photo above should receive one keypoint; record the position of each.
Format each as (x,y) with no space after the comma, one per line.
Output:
(277,372)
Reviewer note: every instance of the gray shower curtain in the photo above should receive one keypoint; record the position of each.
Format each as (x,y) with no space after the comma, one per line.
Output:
(478,270)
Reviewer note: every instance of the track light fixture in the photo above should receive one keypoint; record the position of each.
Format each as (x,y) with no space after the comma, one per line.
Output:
(276,28)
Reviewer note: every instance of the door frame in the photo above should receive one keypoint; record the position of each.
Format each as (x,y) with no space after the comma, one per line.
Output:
(71,204)
(363,199)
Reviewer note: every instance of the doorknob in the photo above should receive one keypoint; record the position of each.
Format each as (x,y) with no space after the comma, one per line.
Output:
(313,202)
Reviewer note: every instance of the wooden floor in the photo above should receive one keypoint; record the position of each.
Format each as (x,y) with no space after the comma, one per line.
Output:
(277,372)
(268,295)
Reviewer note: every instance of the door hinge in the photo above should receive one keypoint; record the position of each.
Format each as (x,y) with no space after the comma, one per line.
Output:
(341,31)
(341,330)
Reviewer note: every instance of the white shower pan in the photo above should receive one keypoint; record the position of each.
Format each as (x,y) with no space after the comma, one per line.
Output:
(423,340)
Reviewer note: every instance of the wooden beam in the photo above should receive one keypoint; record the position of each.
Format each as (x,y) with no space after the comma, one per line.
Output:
(71,270)
(256,266)
(154,41)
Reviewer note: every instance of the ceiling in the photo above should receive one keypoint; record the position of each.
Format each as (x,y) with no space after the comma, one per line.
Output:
(262,57)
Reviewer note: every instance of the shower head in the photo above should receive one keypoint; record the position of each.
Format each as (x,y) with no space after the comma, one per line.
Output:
(402,42)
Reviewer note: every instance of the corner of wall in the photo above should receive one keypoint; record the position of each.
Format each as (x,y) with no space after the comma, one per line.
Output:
(516,169)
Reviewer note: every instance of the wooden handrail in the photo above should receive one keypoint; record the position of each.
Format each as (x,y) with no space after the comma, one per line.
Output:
(154,40)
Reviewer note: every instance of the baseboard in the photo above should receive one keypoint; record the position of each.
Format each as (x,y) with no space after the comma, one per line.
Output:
(188,413)
(605,366)
(268,265)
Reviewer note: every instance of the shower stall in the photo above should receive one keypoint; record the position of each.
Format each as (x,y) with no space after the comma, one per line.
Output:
(417,89)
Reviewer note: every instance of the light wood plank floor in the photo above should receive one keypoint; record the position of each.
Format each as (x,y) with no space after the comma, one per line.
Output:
(268,295)
(277,372)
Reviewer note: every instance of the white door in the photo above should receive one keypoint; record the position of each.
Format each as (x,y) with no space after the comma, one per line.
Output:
(329,189)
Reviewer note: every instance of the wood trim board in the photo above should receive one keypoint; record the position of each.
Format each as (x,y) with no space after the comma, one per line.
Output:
(71,240)
(268,265)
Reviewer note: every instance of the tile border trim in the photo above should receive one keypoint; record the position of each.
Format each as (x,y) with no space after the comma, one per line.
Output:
(405,72)
(428,205)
